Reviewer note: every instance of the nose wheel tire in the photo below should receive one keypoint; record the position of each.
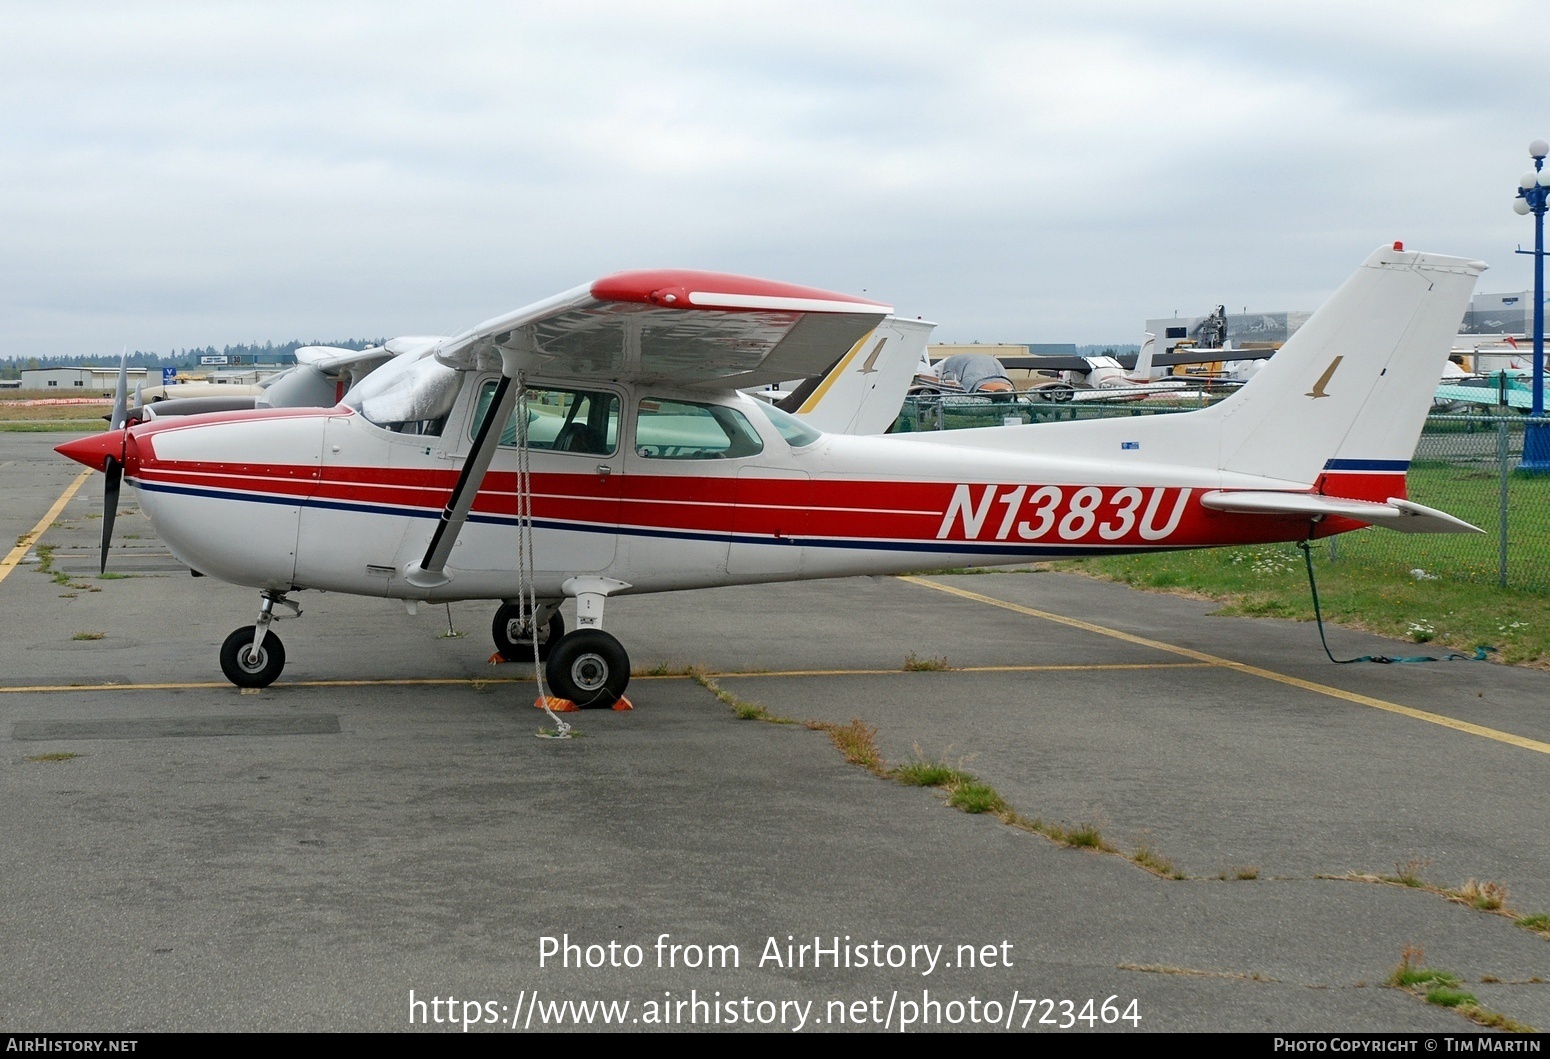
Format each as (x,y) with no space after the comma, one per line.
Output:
(513,639)
(245,670)
(589,667)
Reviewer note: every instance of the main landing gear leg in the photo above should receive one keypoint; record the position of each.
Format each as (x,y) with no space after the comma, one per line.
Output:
(588,666)
(513,633)
(252,656)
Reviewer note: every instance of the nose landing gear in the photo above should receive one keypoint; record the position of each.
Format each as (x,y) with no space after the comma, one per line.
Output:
(252,656)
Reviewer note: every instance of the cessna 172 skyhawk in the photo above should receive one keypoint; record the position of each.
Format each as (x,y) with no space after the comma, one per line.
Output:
(596,444)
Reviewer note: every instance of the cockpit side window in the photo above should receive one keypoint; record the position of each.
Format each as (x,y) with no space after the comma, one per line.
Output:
(581,421)
(684,430)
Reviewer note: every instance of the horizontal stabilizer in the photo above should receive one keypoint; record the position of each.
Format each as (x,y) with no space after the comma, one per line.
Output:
(1403,515)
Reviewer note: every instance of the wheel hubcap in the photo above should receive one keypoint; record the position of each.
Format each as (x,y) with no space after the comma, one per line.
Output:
(589,672)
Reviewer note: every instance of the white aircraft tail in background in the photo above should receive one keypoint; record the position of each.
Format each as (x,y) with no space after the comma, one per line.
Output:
(863,392)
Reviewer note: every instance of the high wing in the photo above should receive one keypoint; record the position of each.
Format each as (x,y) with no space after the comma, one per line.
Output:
(671,325)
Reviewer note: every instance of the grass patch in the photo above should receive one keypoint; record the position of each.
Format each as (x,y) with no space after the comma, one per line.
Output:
(1485,897)
(1539,923)
(1442,988)
(1447,997)
(56,426)
(976,797)
(88,636)
(1085,836)
(663,669)
(1408,874)
(856,741)
(918,772)
(914,664)
(109,575)
(1411,974)
(52,757)
(743,709)
(1456,606)
(1154,862)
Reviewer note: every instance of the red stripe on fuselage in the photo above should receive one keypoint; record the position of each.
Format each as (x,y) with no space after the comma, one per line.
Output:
(1002,514)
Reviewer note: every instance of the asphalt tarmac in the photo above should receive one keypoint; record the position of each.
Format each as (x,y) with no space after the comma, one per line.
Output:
(381,831)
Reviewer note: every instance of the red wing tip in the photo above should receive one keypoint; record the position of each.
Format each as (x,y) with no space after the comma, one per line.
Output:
(676,289)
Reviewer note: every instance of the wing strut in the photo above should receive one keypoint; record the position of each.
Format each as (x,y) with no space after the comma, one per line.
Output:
(429,571)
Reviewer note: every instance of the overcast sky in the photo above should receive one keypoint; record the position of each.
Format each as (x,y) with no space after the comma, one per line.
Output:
(187,174)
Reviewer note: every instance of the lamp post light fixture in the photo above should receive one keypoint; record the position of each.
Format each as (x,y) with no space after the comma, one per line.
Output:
(1533,191)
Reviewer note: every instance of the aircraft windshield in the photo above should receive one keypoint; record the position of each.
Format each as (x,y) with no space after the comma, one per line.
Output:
(408,396)
(797,433)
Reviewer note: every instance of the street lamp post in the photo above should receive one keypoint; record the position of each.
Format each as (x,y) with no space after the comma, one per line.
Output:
(1533,191)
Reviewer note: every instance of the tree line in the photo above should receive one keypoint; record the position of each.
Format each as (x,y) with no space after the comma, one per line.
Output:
(244,353)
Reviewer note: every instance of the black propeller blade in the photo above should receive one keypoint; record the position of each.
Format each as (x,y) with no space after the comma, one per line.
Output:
(114,468)
(115,474)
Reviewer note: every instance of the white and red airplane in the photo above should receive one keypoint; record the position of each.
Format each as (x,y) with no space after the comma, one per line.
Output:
(596,444)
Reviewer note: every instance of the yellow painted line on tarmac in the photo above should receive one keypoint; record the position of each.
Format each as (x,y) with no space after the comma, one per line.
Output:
(29,539)
(966,669)
(1227,663)
(396,682)
(195,685)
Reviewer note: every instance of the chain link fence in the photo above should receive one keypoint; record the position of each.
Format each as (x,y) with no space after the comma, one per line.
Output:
(1466,465)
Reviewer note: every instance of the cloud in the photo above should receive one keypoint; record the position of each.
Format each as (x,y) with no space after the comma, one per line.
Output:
(179,175)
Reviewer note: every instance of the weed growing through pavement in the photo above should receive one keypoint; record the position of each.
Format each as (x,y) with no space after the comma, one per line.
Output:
(1408,873)
(1539,923)
(1486,896)
(1442,988)
(857,741)
(1155,862)
(914,664)
(743,709)
(976,797)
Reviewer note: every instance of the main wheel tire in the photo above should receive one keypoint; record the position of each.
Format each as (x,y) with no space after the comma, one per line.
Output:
(245,671)
(511,639)
(588,667)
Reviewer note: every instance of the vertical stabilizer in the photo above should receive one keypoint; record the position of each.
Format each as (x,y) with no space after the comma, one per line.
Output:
(1352,387)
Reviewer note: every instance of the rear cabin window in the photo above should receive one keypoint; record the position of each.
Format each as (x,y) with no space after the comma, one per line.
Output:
(584,421)
(682,430)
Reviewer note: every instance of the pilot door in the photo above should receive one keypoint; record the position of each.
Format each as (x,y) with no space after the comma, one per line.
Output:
(572,441)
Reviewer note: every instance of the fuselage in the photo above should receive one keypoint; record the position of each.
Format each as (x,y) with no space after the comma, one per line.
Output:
(328,499)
